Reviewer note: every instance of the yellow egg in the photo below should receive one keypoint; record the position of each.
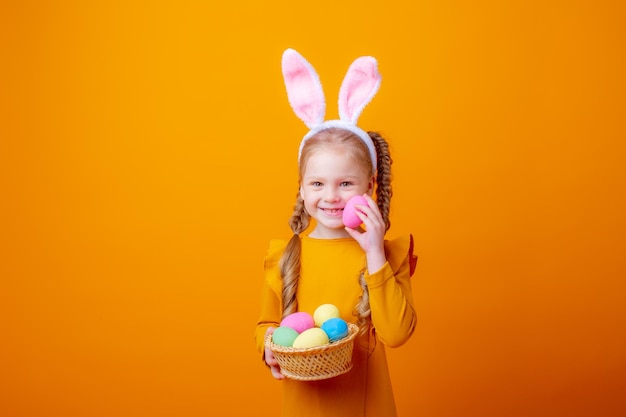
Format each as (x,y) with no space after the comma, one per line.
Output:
(325,312)
(311,338)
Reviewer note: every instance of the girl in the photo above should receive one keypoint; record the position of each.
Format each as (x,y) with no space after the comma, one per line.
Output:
(365,276)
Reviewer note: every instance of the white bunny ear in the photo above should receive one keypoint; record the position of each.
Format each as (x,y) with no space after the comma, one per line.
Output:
(359,86)
(304,89)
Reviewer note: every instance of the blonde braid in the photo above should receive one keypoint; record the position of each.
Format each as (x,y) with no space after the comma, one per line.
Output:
(290,261)
(383,200)
(362,310)
(383,177)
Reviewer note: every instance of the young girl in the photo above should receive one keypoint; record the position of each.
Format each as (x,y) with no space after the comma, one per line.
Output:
(365,276)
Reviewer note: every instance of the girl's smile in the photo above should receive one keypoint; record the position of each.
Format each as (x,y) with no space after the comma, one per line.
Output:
(333,212)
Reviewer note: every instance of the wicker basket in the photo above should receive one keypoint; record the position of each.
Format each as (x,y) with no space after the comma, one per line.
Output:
(313,364)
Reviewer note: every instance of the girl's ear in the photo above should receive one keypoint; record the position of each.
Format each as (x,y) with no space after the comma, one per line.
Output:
(370,186)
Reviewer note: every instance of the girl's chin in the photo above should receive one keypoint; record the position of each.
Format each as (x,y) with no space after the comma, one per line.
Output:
(333,222)
(329,229)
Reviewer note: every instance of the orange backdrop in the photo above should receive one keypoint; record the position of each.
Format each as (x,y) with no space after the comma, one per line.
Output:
(147,155)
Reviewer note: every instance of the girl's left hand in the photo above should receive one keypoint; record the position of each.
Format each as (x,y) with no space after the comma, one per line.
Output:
(270,361)
(372,239)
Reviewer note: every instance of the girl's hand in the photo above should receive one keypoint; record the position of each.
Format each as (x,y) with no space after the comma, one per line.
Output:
(270,361)
(372,239)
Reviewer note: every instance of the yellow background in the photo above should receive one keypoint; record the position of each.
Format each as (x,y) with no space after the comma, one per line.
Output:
(147,155)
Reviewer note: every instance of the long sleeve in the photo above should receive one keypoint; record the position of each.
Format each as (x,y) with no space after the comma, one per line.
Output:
(269,318)
(391,299)
(271,304)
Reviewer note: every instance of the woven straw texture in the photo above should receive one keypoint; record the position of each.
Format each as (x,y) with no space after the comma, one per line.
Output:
(313,364)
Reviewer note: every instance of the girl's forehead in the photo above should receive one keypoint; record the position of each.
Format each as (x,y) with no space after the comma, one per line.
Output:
(333,163)
(331,155)
(331,151)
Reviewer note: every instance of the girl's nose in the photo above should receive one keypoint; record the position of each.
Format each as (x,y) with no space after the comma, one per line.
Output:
(332,194)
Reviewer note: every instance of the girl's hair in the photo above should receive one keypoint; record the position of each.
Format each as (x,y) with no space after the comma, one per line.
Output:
(290,261)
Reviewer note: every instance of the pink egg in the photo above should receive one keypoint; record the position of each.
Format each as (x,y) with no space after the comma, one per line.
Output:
(299,321)
(350,217)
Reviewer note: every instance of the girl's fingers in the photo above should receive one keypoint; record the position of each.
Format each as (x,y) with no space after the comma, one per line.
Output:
(367,214)
(273,364)
(269,358)
(370,200)
(271,361)
(352,232)
(276,372)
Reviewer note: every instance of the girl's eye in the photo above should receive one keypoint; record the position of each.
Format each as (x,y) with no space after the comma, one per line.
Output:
(316,184)
(346,184)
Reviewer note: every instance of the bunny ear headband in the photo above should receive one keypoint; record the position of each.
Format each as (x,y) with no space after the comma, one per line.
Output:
(306,96)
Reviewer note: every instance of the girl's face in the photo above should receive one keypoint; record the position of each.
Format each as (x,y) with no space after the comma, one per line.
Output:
(331,176)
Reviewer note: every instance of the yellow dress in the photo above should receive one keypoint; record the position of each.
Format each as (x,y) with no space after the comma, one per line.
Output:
(329,274)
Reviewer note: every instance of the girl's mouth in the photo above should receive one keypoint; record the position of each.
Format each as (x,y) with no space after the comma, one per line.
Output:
(333,212)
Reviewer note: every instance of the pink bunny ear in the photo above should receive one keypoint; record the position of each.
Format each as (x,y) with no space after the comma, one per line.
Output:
(304,89)
(359,86)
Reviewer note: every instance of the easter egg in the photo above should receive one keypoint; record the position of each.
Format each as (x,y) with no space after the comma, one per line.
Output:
(335,328)
(299,321)
(284,336)
(311,338)
(325,312)
(350,218)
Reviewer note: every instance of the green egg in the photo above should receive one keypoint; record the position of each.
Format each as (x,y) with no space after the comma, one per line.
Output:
(284,336)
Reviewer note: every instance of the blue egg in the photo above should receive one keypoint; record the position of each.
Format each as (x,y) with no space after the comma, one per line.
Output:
(335,328)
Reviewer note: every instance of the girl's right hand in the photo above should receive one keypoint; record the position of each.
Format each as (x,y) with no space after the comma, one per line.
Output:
(270,361)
